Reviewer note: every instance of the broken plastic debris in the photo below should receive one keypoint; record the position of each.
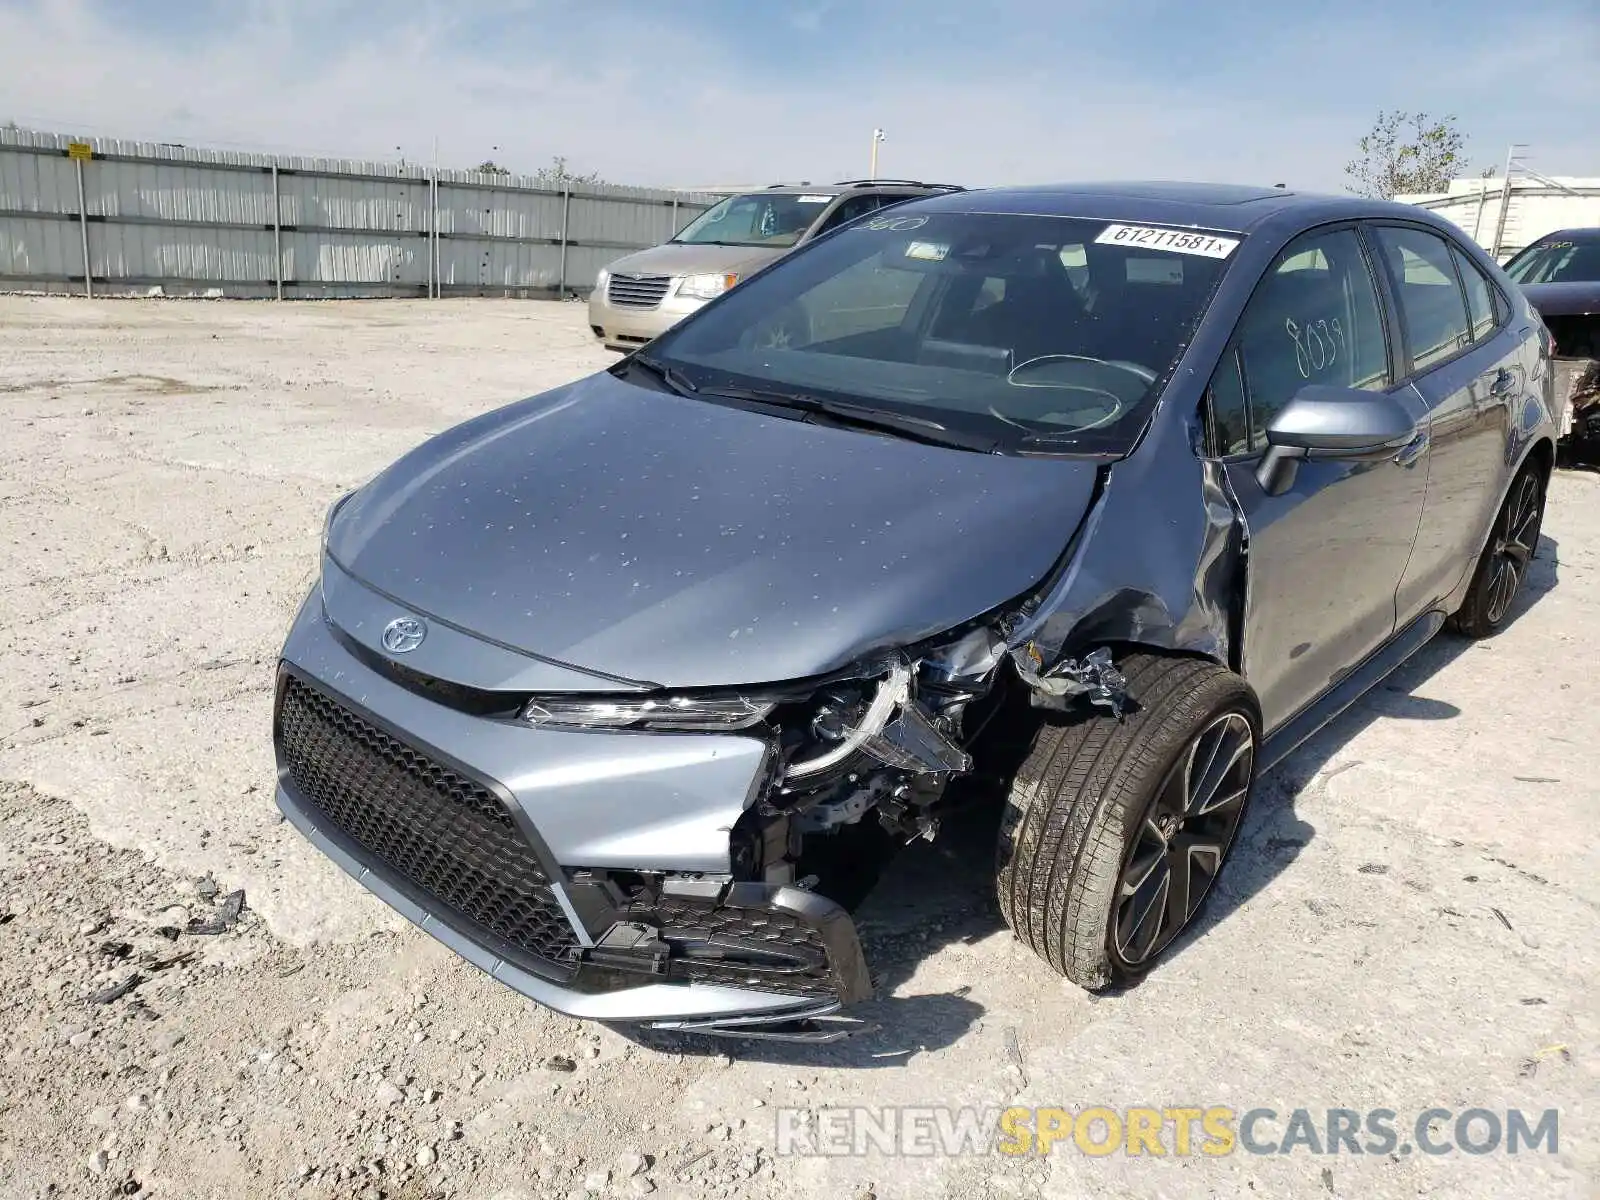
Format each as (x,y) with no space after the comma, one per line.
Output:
(117,990)
(1094,677)
(224,919)
(911,742)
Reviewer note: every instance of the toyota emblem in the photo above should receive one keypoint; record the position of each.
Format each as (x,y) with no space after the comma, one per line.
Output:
(403,634)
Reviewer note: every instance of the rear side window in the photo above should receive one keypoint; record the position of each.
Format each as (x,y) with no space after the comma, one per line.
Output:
(1480,295)
(1432,307)
(1314,318)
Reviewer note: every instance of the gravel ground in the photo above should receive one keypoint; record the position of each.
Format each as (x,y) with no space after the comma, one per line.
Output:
(1411,919)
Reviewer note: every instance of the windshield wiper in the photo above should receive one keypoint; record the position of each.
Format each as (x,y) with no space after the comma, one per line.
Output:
(1042,437)
(1065,441)
(862,416)
(675,379)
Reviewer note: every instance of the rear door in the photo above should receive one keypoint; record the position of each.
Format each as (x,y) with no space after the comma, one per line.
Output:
(1463,364)
(1326,556)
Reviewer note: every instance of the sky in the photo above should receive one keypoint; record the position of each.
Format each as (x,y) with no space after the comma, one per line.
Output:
(725,92)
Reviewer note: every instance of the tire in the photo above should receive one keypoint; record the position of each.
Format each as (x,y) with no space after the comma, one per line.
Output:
(1076,816)
(1503,565)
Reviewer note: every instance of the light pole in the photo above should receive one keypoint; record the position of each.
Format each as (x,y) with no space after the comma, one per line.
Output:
(877,136)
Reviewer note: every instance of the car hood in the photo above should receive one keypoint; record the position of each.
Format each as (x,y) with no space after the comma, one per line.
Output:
(677,542)
(680,259)
(1564,299)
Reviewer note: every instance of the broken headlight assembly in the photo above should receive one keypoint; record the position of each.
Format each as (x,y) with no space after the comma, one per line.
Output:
(873,714)
(869,710)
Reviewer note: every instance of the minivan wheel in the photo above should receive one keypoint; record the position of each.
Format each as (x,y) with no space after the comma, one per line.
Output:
(1115,831)
(1504,563)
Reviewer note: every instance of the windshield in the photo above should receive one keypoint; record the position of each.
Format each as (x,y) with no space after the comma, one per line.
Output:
(1568,259)
(758,219)
(1028,329)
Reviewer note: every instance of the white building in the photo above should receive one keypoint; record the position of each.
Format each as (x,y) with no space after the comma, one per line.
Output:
(1537,205)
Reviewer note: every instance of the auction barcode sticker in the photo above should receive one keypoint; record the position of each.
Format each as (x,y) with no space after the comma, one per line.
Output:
(1179,241)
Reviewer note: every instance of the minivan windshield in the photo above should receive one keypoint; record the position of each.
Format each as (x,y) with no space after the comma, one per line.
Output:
(1571,258)
(775,219)
(1037,331)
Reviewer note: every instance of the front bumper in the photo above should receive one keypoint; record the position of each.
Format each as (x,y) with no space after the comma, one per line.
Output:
(435,834)
(626,328)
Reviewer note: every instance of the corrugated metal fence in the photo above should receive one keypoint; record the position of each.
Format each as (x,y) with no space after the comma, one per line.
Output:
(102,216)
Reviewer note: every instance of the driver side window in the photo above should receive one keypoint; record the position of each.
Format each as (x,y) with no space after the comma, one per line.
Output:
(1314,318)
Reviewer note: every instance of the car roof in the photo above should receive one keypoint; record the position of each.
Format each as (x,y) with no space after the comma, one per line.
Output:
(1205,205)
(1578,231)
(851,185)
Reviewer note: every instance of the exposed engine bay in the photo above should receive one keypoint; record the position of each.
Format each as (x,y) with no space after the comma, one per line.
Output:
(861,764)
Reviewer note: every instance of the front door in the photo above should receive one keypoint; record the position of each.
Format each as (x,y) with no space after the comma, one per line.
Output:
(1325,557)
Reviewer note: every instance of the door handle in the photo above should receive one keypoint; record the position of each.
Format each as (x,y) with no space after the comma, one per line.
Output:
(1504,381)
(1408,454)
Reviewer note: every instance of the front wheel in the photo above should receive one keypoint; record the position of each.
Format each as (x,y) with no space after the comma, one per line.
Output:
(1115,831)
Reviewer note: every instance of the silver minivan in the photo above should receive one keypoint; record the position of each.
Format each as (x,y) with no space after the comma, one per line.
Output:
(643,295)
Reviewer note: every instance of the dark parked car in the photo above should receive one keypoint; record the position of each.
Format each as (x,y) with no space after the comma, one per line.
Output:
(611,688)
(1560,274)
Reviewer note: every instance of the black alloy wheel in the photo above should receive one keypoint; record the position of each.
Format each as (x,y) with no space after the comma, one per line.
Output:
(1183,838)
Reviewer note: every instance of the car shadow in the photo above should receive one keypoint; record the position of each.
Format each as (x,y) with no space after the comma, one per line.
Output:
(934,895)
(930,896)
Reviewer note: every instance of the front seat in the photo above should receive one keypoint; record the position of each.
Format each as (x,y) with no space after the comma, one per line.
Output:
(1040,313)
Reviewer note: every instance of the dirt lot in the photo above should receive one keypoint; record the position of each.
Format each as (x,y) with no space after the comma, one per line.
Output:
(1411,921)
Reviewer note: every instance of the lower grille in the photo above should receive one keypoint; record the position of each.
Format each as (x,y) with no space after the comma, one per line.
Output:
(754,941)
(637,291)
(447,834)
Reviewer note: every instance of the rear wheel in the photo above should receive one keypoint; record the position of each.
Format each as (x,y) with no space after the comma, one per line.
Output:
(1115,831)
(1504,562)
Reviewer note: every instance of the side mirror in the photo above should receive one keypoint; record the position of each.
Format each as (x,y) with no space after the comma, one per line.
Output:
(1331,422)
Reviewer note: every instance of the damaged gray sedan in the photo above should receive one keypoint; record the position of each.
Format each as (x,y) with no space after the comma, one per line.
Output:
(616,689)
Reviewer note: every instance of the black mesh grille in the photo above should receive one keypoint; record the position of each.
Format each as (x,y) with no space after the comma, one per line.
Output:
(447,834)
(776,932)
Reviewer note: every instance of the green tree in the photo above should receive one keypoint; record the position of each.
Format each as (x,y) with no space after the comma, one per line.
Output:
(1407,153)
(557,175)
